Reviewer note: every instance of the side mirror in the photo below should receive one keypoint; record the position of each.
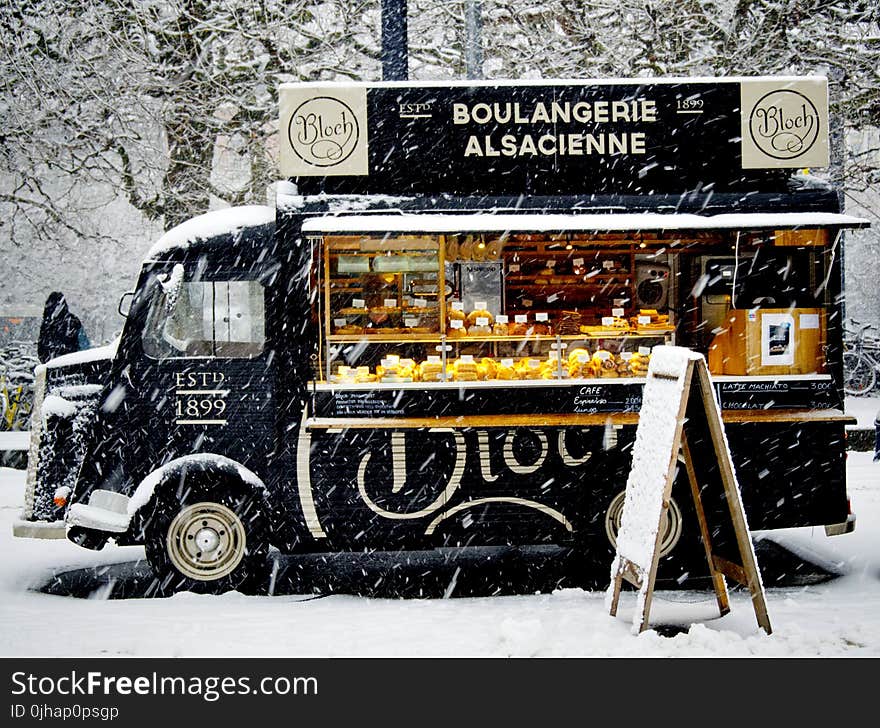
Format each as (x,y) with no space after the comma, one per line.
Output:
(125,303)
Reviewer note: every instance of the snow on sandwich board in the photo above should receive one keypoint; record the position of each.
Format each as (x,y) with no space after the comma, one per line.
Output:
(680,413)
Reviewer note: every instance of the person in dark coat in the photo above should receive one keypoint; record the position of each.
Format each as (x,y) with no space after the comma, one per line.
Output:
(877,437)
(61,332)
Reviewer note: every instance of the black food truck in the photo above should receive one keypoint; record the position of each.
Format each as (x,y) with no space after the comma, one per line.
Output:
(439,335)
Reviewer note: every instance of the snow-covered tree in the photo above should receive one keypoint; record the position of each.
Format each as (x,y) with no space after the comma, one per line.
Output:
(122,117)
(144,95)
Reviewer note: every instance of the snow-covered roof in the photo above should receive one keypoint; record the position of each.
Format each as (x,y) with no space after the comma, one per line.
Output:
(550,82)
(227,221)
(560,223)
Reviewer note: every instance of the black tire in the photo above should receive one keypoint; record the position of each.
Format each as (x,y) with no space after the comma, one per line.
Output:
(859,376)
(208,538)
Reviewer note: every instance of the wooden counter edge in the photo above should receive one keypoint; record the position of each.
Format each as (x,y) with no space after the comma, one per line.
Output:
(564,420)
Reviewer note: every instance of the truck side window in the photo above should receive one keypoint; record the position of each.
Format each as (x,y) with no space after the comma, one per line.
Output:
(206,318)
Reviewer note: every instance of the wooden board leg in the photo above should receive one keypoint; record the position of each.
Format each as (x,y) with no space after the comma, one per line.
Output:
(615,598)
(646,611)
(760,607)
(749,566)
(718,582)
(721,593)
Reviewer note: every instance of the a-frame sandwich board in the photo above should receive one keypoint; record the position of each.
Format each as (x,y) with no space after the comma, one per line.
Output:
(680,414)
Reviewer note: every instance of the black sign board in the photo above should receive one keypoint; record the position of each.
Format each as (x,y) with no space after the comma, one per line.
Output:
(764,394)
(623,137)
(577,398)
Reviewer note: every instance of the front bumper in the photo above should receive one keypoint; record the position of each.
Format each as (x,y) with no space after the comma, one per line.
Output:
(838,529)
(106,512)
(39,529)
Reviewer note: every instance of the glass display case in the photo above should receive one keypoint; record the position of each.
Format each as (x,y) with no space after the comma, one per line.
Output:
(478,308)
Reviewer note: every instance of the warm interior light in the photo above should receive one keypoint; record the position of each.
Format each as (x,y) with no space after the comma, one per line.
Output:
(388,278)
(643,245)
(481,245)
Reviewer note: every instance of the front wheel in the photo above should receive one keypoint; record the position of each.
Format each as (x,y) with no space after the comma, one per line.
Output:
(208,542)
(859,376)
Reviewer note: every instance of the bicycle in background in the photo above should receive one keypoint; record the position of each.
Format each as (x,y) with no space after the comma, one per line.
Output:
(861,360)
(16,388)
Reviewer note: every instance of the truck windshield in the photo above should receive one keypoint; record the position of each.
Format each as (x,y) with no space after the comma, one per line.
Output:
(206,318)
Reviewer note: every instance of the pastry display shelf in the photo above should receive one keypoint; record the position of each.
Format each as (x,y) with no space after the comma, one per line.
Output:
(549,338)
(564,279)
(333,384)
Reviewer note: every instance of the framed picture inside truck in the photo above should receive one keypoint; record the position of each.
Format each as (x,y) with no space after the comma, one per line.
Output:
(438,336)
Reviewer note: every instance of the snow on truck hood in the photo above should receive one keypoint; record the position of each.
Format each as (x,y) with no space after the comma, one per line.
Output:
(82,357)
(227,221)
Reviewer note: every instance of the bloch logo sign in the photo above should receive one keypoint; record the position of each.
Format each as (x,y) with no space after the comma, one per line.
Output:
(323,131)
(784,123)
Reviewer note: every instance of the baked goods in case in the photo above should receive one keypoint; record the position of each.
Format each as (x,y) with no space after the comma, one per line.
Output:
(349,330)
(638,364)
(505,370)
(550,369)
(542,328)
(649,319)
(605,364)
(456,327)
(362,375)
(465,370)
(528,368)
(479,323)
(392,368)
(611,325)
(478,330)
(486,369)
(624,368)
(479,313)
(430,371)
(580,364)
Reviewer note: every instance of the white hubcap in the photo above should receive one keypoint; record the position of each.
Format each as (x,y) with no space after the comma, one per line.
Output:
(206,541)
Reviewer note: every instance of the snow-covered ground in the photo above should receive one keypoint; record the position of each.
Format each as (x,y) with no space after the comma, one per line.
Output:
(840,617)
(864,409)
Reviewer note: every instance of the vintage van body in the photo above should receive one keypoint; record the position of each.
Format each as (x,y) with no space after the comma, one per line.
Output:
(439,334)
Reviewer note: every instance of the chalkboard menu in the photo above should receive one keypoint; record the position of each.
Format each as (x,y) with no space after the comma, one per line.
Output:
(587,397)
(580,398)
(777,394)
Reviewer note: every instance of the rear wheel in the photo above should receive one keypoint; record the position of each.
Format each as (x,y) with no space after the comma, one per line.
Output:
(682,560)
(670,524)
(859,376)
(209,541)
